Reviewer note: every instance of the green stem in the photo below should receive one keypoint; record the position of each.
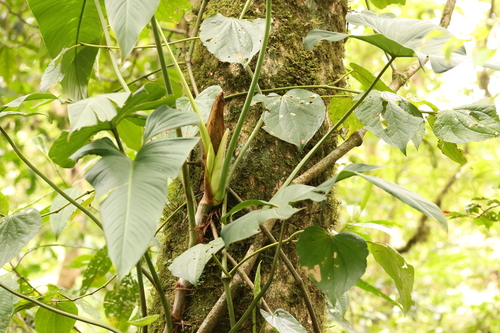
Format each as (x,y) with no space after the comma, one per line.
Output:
(248,101)
(142,295)
(60,312)
(65,205)
(161,57)
(159,289)
(245,8)
(256,300)
(299,87)
(48,181)
(256,252)
(306,158)
(230,307)
(108,42)
(114,130)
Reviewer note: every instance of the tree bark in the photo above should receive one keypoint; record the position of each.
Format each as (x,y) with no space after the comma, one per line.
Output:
(269,160)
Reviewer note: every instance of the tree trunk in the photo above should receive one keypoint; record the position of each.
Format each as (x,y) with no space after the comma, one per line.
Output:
(268,162)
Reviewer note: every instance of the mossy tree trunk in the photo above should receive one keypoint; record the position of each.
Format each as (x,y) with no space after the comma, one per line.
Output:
(269,160)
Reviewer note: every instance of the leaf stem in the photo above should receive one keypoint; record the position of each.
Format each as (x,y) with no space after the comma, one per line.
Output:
(161,57)
(108,42)
(142,296)
(48,181)
(159,289)
(55,211)
(246,106)
(306,158)
(60,312)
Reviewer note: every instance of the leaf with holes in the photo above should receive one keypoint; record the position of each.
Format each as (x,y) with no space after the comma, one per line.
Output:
(98,266)
(390,117)
(127,18)
(16,231)
(398,269)
(120,302)
(334,263)
(232,40)
(468,123)
(135,192)
(190,264)
(294,117)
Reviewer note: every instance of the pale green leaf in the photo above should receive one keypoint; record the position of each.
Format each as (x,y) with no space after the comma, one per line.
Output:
(398,269)
(53,73)
(368,287)
(60,220)
(283,322)
(232,40)
(144,321)
(47,321)
(190,264)
(30,97)
(7,300)
(243,205)
(468,123)
(127,18)
(165,118)
(381,4)
(335,263)
(79,22)
(390,117)
(366,78)
(294,117)
(130,133)
(172,10)
(90,111)
(136,192)
(452,151)
(16,231)
(4,204)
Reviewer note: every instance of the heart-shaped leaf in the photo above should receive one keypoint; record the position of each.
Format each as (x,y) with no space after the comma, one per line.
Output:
(399,37)
(390,117)
(398,269)
(136,192)
(190,264)
(232,40)
(47,321)
(79,21)
(16,231)
(294,117)
(127,18)
(283,322)
(468,123)
(89,111)
(334,263)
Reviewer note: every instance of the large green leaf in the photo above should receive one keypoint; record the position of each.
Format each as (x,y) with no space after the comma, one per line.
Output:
(90,111)
(165,118)
(294,117)
(204,101)
(16,231)
(127,18)
(136,192)
(334,263)
(47,321)
(390,117)
(120,302)
(283,322)
(7,300)
(64,24)
(66,145)
(468,123)
(232,40)
(398,269)
(190,264)
(60,220)
(98,266)
(399,37)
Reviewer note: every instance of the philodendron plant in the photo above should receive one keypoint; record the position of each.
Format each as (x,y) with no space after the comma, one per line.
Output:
(144,138)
